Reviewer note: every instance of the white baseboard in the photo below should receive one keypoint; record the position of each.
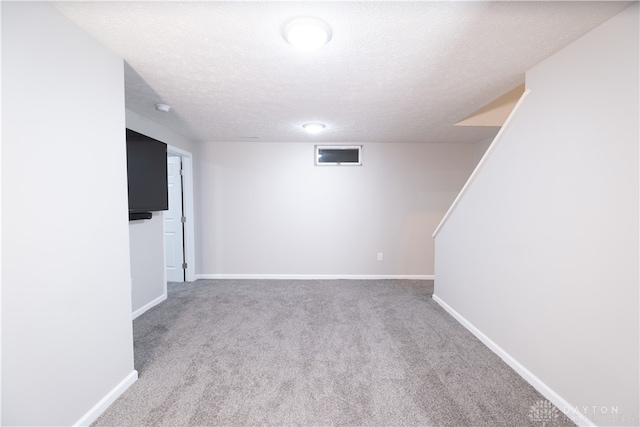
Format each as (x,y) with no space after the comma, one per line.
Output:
(149,305)
(312,276)
(106,401)
(553,397)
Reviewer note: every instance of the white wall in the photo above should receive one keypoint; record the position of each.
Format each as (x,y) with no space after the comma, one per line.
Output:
(541,254)
(66,296)
(148,279)
(265,209)
(149,286)
(479,148)
(155,129)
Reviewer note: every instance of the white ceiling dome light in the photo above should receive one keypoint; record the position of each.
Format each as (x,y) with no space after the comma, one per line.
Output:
(307,33)
(163,107)
(313,128)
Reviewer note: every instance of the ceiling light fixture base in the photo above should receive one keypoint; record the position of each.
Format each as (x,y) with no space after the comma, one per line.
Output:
(314,128)
(163,107)
(307,33)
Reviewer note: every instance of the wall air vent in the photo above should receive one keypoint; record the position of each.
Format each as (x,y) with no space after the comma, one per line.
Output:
(338,155)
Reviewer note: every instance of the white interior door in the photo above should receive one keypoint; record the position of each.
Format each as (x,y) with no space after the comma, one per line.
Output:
(173,225)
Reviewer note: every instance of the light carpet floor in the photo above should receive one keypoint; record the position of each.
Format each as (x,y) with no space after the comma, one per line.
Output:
(315,353)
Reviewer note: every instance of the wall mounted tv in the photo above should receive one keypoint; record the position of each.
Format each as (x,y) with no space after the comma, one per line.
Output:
(146,175)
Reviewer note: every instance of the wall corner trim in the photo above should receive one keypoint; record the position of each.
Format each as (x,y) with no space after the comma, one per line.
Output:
(149,305)
(106,401)
(496,141)
(553,397)
(314,276)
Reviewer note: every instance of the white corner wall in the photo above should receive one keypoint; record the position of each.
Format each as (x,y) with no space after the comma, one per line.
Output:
(67,345)
(479,149)
(147,254)
(153,129)
(266,210)
(540,258)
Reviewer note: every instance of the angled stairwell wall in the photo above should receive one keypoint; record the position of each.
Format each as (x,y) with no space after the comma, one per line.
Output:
(539,255)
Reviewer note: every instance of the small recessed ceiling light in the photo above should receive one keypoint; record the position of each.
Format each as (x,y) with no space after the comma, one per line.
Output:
(313,128)
(163,107)
(307,33)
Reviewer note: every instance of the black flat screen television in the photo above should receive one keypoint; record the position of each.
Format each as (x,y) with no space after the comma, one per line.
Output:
(146,174)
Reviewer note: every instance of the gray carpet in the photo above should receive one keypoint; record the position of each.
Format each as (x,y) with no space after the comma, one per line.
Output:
(318,353)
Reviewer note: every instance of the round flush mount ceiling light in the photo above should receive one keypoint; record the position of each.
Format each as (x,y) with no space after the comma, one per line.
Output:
(313,128)
(163,107)
(307,33)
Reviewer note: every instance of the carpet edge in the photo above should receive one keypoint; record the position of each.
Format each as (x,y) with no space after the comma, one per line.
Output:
(553,397)
(107,400)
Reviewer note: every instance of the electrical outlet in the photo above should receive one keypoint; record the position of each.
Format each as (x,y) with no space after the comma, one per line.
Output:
(380,256)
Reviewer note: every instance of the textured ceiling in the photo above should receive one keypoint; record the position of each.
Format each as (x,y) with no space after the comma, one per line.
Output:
(392,72)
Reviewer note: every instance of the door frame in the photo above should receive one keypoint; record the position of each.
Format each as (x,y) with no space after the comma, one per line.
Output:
(187,211)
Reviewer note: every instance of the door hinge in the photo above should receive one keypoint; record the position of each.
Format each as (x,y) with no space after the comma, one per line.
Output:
(183,219)
(181,172)
(184,265)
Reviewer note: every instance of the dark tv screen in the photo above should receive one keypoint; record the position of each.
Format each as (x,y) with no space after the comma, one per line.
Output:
(146,173)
